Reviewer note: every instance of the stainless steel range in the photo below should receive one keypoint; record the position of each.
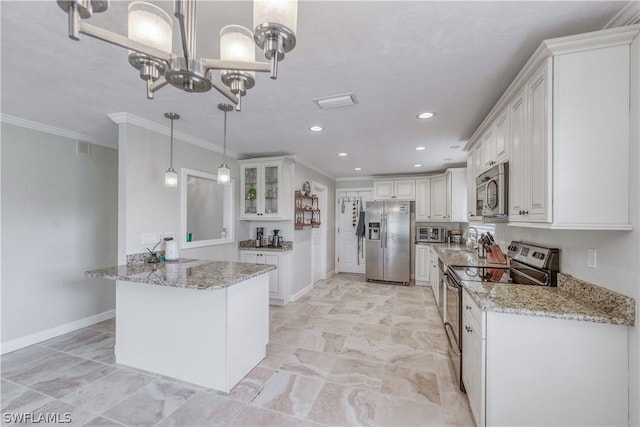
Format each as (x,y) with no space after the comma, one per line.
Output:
(529,264)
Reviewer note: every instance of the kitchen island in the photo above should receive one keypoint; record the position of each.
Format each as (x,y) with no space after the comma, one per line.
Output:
(205,322)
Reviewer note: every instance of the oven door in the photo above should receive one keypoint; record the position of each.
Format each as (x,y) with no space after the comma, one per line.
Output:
(453,324)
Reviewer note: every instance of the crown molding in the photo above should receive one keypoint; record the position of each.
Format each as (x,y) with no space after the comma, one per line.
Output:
(30,124)
(628,15)
(128,118)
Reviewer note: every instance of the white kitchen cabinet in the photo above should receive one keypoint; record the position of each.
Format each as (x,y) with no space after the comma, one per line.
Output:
(423,199)
(280,278)
(434,274)
(438,198)
(456,192)
(495,144)
(442,197)
(520,164)
(504,353)
(474,163)
(422,265)
(569,154)
(265,189)
(394,189)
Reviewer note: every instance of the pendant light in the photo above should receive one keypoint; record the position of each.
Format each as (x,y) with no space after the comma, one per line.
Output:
(170,176)
(224,173)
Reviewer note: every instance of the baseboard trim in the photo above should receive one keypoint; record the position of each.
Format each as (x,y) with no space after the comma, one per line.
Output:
(27,340)
(301,293)
(329,274)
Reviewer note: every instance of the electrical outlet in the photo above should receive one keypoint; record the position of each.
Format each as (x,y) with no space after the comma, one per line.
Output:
(592,258)
(148,238)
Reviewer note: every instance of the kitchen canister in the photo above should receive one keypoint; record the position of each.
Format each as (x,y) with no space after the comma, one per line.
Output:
(171,250)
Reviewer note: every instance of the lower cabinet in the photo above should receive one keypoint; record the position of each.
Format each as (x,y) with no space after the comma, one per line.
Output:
(528,370)
(422,265)
(280,278)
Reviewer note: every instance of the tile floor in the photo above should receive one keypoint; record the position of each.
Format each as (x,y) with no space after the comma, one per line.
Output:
(348,353)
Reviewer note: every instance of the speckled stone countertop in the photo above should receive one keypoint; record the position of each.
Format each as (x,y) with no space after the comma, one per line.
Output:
(250,245)
(558,302)
(572,299)
(185,273)
(454,254)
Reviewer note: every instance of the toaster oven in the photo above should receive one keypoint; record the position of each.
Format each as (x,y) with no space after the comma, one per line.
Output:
(430,234)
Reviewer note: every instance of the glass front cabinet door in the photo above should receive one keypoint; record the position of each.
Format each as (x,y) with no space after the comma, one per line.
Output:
(264,194)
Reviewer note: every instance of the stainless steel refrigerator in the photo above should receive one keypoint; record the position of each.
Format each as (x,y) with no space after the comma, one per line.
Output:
(388,229)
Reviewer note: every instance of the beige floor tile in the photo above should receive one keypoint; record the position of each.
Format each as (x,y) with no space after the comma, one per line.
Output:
(357,373)
(289,393)
(309,363)
(339,405)
(412,384)
(395,411)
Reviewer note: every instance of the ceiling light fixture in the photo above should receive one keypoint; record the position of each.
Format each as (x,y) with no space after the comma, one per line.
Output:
(420,148)
(357,169)
(426,115)
(170,176)
(454,147)
(335,101)
(417,165)
(224,173)
(150,44)
(342,154)
(315,128)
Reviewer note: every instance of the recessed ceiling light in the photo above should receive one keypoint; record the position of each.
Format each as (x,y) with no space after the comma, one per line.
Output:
(447,159)
(315,128)
(426,115)
(420,148)
(454,147)
(417,165)
(342,154)
(357,169)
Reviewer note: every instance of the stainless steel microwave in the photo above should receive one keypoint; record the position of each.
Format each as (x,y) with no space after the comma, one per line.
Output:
(492,192)
(430,234)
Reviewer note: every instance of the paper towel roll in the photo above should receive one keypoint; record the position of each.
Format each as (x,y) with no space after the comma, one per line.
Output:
(171,251)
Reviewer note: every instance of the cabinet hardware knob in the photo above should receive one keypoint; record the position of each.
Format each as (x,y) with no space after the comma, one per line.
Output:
(468,329)
(468,307)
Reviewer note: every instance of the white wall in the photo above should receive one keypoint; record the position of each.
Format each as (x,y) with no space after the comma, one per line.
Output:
(149,206)
(302,274)
(59,219)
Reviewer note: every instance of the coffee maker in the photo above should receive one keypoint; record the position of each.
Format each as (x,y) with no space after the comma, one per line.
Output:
(259,235)
(276,241)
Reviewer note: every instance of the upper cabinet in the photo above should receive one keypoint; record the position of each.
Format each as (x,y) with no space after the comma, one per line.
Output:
(394,189)
(442,197)
(565,124)
(265,189)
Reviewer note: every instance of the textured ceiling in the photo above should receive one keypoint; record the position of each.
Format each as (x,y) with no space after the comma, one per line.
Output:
(399,58)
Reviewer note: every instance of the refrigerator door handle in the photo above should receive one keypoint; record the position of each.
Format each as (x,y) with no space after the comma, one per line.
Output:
(383,234)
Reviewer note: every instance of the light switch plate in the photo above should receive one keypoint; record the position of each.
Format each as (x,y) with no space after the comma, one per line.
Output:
(592,258)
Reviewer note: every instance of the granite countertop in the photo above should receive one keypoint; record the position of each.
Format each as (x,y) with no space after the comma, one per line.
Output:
(454,254)
(185,273)
(572,299)
(555,302)
(250,245)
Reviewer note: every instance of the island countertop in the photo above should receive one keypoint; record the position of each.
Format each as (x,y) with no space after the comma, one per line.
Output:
(185,273)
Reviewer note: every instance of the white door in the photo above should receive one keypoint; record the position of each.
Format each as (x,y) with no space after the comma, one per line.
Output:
(350,258)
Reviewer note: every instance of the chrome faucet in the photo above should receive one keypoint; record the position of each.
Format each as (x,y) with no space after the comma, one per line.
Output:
(475,237)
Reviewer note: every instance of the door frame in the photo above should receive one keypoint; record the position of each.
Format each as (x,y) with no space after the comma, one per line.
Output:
(322,191)
(337,220)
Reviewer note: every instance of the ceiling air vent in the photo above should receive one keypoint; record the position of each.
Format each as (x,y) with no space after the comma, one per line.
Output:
(335,101)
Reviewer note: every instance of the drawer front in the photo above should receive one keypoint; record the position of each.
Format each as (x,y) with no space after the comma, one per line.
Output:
(471,310)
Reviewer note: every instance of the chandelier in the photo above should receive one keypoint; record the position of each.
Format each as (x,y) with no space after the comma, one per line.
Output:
(150,36)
